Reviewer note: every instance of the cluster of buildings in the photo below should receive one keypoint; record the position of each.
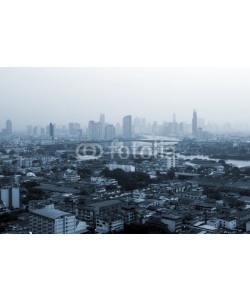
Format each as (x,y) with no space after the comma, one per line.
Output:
(101,130)
(45,189)
(51,194)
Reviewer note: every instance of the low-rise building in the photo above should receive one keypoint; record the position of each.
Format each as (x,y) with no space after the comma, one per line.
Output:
(49,220)
(228,223)
(174,222)
(126,168)
(109,224)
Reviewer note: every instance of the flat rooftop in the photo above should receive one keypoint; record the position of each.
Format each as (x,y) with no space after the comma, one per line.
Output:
(104,203)
(52,214)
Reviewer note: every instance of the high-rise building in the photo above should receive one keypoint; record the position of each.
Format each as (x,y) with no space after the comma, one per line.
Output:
(91,130)
(8,127)
(110,132)
(102,118)
(195,124)
(95,130)
(74,128)
(127,127)
(103,125)
(52,131)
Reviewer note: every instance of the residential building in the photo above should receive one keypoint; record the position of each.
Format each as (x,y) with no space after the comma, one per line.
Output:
(228,223)
(49,220)
(10,196)
(109,224)
(174,222)
(126,168)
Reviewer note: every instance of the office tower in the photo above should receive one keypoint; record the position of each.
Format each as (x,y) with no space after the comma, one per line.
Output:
(110,132)
(195,125)
(91,130)
(8,127)
(118,129)
(127,127)
(102,118)
(103,125)
(52,131)
(95,130)
(99,135)
(74,128)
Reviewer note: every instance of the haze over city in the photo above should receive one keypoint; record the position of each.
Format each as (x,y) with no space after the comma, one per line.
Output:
(61,95)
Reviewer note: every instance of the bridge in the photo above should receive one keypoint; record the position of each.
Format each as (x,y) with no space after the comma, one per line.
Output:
(150,141)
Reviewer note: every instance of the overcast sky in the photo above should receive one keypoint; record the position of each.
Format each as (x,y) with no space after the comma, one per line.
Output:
(61,95)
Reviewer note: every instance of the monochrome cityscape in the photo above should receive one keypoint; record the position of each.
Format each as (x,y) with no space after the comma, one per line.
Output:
(131,176)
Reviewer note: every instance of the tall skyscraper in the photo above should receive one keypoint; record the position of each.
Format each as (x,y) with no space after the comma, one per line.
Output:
(103,125)
(127,127)
(110,132)
(74,128)
(95,130)
(52,131)
(195,125)
(102,118)
(91,130)
(8,127)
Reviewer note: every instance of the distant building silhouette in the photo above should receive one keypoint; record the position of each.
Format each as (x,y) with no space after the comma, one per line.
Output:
(95,130)
(127,127)
(109,132)
(74,128)
(52,131)
(8,127)
(195,124)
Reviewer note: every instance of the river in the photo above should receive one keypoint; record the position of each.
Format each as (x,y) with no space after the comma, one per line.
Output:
(237,163)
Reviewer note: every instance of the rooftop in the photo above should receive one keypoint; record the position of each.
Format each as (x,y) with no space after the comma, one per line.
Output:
(105,203)
(50,213)
(171,217)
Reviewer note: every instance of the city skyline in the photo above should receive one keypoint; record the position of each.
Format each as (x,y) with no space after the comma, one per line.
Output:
(129,126)
(64,95)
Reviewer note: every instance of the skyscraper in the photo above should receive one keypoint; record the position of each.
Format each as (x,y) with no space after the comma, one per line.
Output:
(74,128)
(52,131)
(110,132)
(103,125)
(195,125)
(95,130)
(127,127)
(8,127)
(102,118)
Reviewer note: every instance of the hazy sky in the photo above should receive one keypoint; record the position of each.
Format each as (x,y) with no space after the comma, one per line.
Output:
(62,95)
